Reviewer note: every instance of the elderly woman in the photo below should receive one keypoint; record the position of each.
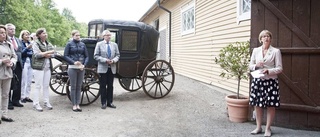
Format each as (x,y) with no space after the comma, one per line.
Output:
(267,60)
(27,72)
(8,58)
(76,55)
(43,52)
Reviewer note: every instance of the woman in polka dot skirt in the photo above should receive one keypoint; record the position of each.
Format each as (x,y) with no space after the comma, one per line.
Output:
(266,60)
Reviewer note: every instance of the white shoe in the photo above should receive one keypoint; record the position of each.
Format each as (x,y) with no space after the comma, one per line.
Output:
(37,107)
(48,105)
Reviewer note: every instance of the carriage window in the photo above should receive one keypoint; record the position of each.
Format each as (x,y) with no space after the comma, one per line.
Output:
(99,29)
(95,30)
(113,37)
(92,30)
(129,40)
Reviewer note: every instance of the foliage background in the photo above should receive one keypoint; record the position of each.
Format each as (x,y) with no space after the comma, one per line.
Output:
(33,14)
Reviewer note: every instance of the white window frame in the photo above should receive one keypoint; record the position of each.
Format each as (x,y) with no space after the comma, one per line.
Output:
(190,6)
(242,16)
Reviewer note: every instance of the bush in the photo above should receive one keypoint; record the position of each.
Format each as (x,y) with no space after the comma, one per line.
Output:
(234,60)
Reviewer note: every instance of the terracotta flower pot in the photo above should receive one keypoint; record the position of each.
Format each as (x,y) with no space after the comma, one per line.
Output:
(237,108)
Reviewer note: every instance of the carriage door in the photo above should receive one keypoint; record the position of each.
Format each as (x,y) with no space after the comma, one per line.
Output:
(129,53)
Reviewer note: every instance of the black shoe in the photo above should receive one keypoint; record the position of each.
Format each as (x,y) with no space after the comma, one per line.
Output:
(17,104)
(6,119)
(11,107)
(28,99)
(75,110)
(24,101)
(79,109)
(104,106)
(111,106)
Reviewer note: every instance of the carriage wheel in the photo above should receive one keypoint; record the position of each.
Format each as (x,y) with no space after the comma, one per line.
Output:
(90,88)
(158,79)
(131,84)
(59,78)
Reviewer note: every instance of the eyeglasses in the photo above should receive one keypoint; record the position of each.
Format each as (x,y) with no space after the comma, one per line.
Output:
(2,32)
(266,36)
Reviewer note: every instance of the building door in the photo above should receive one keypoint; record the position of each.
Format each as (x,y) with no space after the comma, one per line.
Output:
(296,32)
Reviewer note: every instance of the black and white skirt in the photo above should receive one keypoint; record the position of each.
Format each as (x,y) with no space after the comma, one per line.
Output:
(265,93)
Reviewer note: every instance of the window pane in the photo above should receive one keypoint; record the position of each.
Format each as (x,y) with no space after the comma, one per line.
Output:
(99,29)
(129,40)
(246,6)
(92,31)
(188,20)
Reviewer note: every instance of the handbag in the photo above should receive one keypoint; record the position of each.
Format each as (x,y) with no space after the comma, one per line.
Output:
(37,63)
(14,82)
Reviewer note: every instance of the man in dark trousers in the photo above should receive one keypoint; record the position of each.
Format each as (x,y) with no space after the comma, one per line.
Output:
(15,95)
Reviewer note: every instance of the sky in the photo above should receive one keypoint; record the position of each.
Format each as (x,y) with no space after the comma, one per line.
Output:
(86,10)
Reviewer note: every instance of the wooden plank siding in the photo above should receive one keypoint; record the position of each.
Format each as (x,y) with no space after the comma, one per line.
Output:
(215,27)
(296,32)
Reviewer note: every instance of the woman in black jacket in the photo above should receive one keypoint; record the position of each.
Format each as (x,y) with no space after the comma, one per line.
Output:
(76,55)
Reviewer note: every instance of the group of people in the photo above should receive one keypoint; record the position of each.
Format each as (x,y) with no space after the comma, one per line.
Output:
(16,56)
(22,57)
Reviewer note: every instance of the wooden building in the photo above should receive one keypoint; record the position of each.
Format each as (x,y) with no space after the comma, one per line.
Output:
(200,28)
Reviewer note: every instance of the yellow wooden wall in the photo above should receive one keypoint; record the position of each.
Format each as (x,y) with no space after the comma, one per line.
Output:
(193,54)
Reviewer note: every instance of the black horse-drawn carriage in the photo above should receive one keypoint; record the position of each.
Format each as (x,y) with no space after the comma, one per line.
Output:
(137,67)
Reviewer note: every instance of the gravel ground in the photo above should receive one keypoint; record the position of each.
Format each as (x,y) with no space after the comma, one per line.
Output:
(192,109)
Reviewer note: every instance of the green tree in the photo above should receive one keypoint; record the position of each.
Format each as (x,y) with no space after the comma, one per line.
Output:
(34,14)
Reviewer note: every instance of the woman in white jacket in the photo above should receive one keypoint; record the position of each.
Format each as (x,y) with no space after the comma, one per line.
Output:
(265,88)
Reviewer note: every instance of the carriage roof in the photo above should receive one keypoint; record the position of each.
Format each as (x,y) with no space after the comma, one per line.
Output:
(147,29)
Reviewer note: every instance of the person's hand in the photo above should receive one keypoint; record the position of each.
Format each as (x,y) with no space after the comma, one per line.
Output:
(265,71)
(29,46)
(9,64)
(81,67)
(109,61)
(48,55)
(260,64)
(5,60)
(77,63)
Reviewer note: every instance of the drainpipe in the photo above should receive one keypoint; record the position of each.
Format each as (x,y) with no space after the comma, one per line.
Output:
(169,28)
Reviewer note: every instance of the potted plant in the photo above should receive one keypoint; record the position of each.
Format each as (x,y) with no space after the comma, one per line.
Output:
(234,61)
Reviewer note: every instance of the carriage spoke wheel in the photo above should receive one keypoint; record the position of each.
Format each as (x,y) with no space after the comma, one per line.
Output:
(131,84)
(158,79)
(59,78)
(89,89)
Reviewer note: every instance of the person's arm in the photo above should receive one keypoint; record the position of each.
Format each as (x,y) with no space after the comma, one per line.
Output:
(86,55)
(67,54)
(97,54)
(252,65)
(117,54)
(278,64)
(39,54)
(13,58)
